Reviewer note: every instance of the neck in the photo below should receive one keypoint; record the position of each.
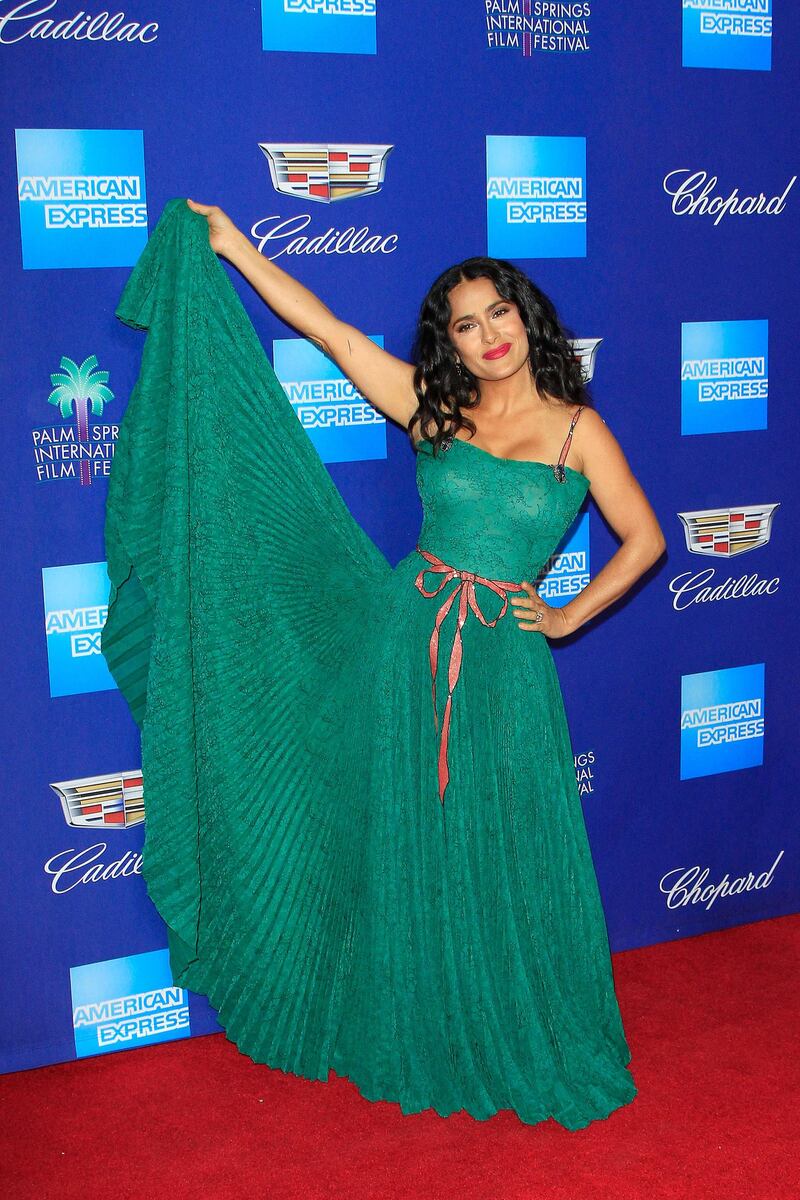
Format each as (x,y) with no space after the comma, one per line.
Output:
(502,398)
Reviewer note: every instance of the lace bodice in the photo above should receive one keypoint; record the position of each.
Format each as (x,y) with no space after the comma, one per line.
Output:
(496,516)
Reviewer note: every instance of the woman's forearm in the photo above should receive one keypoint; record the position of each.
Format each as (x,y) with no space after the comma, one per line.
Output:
(619,574)
(285,295)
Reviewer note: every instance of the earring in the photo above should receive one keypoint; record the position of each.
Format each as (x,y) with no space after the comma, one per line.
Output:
(459,367)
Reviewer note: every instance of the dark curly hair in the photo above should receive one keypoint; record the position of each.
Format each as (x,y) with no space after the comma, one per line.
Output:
(447,390)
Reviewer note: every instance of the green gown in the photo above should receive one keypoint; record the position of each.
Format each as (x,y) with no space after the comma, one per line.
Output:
(444,951)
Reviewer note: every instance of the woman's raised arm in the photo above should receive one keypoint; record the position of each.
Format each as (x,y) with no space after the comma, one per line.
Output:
(386,381)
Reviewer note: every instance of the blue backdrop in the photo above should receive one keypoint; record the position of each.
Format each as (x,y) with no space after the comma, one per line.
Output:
(638,162)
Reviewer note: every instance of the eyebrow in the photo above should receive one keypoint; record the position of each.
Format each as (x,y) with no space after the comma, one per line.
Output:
(494,304)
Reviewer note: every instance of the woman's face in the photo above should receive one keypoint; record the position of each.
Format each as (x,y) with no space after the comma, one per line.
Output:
(486,331)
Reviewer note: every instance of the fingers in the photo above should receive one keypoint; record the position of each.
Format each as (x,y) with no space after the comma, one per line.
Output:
(526,617)
(531,600)
(526,607)
(205,209)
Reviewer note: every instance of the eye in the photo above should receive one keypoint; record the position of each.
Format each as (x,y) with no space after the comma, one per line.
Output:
(498,312)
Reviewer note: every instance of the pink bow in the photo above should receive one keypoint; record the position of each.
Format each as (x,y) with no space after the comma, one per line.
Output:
(466,593)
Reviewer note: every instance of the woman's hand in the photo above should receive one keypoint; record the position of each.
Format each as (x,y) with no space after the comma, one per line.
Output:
(223,235)
(554,622)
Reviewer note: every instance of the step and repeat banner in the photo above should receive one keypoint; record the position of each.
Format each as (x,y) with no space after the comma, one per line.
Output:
(639,163)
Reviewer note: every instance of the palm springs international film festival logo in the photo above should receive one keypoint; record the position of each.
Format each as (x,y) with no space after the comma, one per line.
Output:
(75,611)
(724,376)
(81,197)
(323,173)
(723,533)
(727,33)
(722,720)
(74,449)
(321,26)
(124,1002)
(528,26)
(536,196)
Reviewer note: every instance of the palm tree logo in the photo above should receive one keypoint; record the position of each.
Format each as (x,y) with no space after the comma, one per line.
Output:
(75,390)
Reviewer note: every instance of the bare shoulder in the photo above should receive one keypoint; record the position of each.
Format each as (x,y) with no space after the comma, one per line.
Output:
(588,416)
(595,444)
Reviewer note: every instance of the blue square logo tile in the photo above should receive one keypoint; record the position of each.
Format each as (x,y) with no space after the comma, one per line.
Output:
(81,197)
(722,720)
(724,376)
(75,611)
(126,1002)
(567,571)
(319,26)
(736,34)
(536,197)
(341,423)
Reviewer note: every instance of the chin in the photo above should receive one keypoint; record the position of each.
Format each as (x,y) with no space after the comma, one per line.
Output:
(499,368)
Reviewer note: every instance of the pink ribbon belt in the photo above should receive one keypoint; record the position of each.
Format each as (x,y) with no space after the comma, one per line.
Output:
(466,594)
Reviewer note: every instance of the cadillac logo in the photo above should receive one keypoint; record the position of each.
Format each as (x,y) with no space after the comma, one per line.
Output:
(313,171)
(726,532)
(111,801)
(585,350)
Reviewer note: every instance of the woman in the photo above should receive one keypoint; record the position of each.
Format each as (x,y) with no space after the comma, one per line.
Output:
(359,875)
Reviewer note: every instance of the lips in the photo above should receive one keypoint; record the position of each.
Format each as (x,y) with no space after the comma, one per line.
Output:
(499,351)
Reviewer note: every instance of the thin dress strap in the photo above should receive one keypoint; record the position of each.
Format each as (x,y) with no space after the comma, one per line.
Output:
(562,458)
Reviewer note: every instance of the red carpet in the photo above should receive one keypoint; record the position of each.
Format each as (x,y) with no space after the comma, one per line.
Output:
(711,1021)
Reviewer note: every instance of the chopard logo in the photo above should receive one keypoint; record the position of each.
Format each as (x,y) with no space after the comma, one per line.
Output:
(19,22)
(685,885)
(691,196)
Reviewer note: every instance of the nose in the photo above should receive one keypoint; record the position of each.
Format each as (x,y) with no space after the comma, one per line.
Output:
(489,334)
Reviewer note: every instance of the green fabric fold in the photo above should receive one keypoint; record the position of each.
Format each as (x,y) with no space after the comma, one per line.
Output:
(218,510)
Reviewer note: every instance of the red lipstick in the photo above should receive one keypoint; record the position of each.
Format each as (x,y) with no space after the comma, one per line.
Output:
(499,351)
